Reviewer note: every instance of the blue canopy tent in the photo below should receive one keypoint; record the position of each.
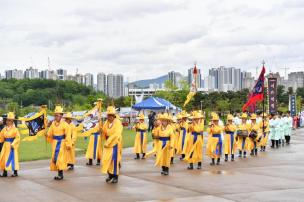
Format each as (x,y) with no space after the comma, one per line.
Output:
(155,103)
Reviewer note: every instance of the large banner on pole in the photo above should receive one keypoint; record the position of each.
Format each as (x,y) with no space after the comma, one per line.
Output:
(272,92)
(292,105)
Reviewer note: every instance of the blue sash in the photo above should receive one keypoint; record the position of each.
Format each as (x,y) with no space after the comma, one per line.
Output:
(95,144)
(183,137)
(11,157)
(164,141)
(231,139)
(142,132)
(243,142)
(115,158)
(195,134)
(218,150)
(59,139)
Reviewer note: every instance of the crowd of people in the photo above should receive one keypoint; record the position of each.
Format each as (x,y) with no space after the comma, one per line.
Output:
(180,136)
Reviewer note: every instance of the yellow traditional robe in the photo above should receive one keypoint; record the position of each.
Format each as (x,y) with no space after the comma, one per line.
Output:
(111,156)
(71,148)
(94,150)
(252,143)
(229,139)
(182,137)
(242,142)
(264,137)
(155,134)
(9,157)
(59,136)
(195,142)
(140,142)
(163,155)
(215,142)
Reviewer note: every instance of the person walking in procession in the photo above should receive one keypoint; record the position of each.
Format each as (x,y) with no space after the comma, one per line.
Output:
(71,160)
(229,139)
(140,144)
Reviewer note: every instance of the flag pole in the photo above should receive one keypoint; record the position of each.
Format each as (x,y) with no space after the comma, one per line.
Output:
(263,104)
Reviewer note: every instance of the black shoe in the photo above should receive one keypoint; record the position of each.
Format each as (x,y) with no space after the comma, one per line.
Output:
(218,161)
(212,162)
(90,162)
(163,170)
(251,153)
(182,157)
(199,165)
(240,154)
(190,167)
(60,175)
(115,180)
(232,157)
(255,152)
(226,157)
(15,174)
(166,172)
(244,155)
(143,156)
(98,162)
(137,156)
(4,174)
(109,178)
(171,162)
(71,167)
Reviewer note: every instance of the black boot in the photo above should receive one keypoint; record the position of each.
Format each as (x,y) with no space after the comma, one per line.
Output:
(109,178)
(98,162)
(163,170)
(255,151)
(71,167)
(15,174)
(90,162)
(240,154)
(277,143)
(190,167)
(171,162)
(143,156)
(218,161)
(115,179)
(166,171)
(252,153)
(212,162)
(199,165)
(272,143)
(182,157)
(60,175)
(232,157)
(4,173)
(137,156)
(244,154)
(226,157)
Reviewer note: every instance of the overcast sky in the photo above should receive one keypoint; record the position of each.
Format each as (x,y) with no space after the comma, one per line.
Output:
(147,38)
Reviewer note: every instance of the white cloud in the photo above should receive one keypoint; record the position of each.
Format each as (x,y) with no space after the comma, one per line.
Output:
(143,39)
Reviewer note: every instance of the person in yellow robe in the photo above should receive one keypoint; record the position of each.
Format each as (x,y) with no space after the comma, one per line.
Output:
(254,135)
(183,135)
(177,132)
(264,137)
(195,142)
(112,148)
(229,138)
(140,144)
(10,137)
(242,140)
(155,130)
(215,142)
(165,145)
(94,149)
(71,160)
(60,138)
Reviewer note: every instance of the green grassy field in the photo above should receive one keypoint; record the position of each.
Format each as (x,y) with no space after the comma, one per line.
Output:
(39,149)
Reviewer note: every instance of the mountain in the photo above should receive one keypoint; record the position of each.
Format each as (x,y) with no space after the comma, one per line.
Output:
(145,83)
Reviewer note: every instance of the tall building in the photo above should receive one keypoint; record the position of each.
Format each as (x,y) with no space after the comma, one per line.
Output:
(31,73)
(226,78)
(296,80)
(14,74)
(247,80)
(61,74)
(79,78)
(175,78)
(209,83)
(114,85)
(199,77)
(48,74)
(89,79)
(102,82)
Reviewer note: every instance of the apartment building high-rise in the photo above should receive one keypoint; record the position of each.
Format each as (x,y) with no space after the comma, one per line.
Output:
(247,80)
(79,78)
(31,73)
(89,79)
(102,82)
(175,78)
(114,85)
(61,74)
(48,74)
(296,80)
(14,74)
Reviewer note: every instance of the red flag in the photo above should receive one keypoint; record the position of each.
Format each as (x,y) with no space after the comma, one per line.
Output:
(257,93)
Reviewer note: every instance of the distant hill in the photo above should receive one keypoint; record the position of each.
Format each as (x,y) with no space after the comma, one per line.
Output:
(145,83)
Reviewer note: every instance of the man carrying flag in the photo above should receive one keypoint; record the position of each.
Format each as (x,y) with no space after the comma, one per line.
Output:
(193,87)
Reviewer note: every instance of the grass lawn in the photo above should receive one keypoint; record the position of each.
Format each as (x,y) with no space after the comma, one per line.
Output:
(39,149)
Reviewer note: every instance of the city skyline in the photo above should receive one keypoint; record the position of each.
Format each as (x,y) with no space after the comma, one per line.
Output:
(131,36)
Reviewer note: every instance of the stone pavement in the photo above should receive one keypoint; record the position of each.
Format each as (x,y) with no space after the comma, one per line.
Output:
(277,175)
